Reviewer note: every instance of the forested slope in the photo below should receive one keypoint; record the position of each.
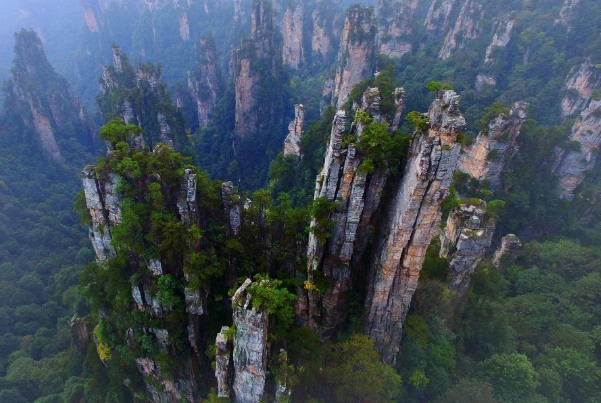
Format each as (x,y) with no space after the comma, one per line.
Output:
(428,231)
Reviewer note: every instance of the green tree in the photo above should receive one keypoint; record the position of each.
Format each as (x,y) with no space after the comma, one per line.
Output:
(512,376)
(360,376)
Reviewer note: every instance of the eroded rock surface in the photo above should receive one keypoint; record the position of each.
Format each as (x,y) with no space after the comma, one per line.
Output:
(410,221)
(507,253)
(465,240)
(585,139)
(466,27)
(579,86)
(356,58)
(295,131)
(206,85)
(487,156)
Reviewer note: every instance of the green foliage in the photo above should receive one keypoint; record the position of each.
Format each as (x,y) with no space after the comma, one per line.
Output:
(469,391)
(116,131)
(418,121)
(320,211)
(382,148)
(511,375)
(360,376)
(268,293)
(168,290)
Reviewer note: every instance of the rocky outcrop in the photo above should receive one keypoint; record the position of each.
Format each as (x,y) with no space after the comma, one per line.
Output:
(43,100)
(295,131)
(395,26)
(140,97)
(249,347)
(291,26)
(467,26)
(326,30)
(567,14)
(438,18)
(410,221)
(357,193)
(483,79)
(232,205)
(105,210)
(465,240)
(206,85)
(170,390)
(81,334)
(356,57)
(256,68)
(223,363)
(399,104)
(579,86)
(507,253)
(500,39)
(583,148)
(487,156)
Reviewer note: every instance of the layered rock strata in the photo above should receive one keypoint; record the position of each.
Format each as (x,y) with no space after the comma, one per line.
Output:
(465,240)
(206,85)
(487,156)
(575,162)
(409,223)
(356,57)
(295,131)
(507,253)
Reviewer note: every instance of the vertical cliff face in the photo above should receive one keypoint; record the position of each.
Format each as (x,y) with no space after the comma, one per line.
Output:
(582,154)
(394,26)
(487,156)
(248,362)
(465,239)
(326,18)
(357,193)
(500,39)
(105,211)
(43,99)
(167,289)
(580,84)
(411,219)
(257,66)
(291,23)
(466,27)
(295,131)
(140,97)
(438,18)
(206,85)
(356,57)
(507,252)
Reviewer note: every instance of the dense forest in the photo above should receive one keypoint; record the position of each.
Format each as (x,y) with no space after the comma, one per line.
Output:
(300,201)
